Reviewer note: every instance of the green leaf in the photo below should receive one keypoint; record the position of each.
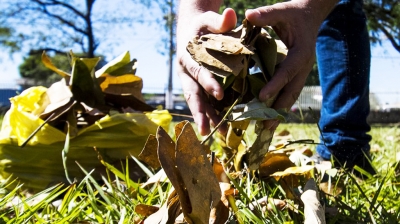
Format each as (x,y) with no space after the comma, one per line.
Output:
(256,110)
(118,66)
(266,53)
(82,83)
(84,87)
(129,68)
(256,82)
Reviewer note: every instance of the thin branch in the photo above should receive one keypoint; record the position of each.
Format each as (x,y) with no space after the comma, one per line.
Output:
(389,36)
(65,5)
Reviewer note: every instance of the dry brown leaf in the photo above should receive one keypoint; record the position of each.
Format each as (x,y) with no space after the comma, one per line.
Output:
(168,213)
(331,188)
(274,162)
(145,210)
(174,208)
(304,171)
(259,148)
(179,127)
(226,44)
(197,175)
(216,62)
(220,213)
(166,156)
(220,172)
(239,156)
(149,153)
(284,132)
(293,177)
(157,217)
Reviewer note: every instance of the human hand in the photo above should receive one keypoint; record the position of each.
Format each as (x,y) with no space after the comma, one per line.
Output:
(296,23)
(196,80)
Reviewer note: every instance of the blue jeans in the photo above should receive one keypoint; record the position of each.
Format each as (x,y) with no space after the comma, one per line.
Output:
(343,57)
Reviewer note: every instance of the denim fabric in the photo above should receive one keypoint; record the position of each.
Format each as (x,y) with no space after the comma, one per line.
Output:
(343,57)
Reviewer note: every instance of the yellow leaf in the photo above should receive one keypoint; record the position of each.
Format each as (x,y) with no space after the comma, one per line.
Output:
(115,64)
(274,162)
(33,100)
(122,85)
(47,62)
(160,117)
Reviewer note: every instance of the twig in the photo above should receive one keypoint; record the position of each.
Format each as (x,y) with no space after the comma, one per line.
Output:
(37,130)
(224,119)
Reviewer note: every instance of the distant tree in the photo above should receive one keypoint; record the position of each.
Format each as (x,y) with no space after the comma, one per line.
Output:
(57,26)
(33,69)
(384,18)
(61,25)
(5,39)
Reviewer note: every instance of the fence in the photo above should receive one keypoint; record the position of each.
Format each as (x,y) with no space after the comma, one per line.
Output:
(384,108)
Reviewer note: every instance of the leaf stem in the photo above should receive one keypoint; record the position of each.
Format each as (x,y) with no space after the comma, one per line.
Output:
(224,119)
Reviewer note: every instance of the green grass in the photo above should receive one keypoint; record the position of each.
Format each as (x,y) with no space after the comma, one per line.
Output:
(375,200)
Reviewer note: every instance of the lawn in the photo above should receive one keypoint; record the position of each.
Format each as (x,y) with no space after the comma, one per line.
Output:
(346,198)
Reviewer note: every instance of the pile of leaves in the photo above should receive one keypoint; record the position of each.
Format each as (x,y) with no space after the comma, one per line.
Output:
(84,96)
(85,113)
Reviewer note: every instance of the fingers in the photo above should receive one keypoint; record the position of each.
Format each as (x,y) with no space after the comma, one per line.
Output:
(202,76)
(203,113)
(215,23)
(289,79)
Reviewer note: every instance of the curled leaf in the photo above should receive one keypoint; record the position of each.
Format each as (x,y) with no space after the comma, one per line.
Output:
(47,62)
(257,110)
(219,63)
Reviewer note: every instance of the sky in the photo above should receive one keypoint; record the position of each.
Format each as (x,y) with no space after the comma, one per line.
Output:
(153,66)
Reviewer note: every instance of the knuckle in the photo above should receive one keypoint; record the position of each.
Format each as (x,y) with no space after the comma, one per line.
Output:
(187,95)
(195,71)
(290,72)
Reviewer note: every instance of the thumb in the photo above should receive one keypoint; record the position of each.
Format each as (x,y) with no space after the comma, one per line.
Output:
(216,23)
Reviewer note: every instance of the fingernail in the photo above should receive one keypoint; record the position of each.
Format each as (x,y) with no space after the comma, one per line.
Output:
(217,95)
